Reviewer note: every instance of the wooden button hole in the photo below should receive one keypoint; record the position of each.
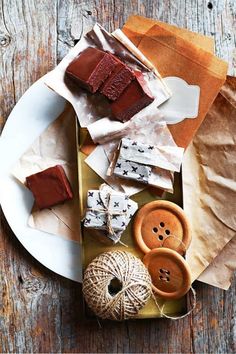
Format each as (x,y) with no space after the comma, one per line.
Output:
(166,272)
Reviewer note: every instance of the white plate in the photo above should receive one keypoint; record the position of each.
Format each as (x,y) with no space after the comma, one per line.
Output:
(37,108)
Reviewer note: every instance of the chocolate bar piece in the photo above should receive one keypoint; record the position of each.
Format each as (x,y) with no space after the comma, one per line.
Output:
(134,98)
(91,68)
(49,187)
(117,81)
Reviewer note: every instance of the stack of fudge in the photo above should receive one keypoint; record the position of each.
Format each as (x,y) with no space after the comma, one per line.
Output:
(99,71)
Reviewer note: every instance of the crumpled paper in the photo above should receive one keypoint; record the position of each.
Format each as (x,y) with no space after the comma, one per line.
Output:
(209,192)
(145,128)
(55,146)
(147,163)
(163,156)
(173,55)
(89,107)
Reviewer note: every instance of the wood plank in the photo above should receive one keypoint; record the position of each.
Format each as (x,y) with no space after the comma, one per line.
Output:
(39,311)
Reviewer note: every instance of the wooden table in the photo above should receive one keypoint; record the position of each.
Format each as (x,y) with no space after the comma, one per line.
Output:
(40,311)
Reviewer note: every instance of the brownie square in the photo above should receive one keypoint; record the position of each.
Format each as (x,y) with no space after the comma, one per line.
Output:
(91,68)
(117,81)
(134,98)
(49,187)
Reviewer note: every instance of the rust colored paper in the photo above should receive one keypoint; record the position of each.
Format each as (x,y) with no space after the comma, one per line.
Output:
(136,27)
(55,146)
(209,192)
(175,56)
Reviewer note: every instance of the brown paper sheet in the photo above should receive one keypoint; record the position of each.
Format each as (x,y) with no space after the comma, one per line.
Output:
(209,191)
(136,26)
(175,56)
(56,145)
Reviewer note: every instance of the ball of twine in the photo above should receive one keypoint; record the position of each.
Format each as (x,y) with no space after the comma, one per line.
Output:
(116,285)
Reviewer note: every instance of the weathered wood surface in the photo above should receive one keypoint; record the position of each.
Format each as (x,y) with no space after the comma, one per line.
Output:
(40,311)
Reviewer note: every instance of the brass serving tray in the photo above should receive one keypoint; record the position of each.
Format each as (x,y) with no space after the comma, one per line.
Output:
(88,179)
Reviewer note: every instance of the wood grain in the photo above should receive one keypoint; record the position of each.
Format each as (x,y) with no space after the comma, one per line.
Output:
(40,311)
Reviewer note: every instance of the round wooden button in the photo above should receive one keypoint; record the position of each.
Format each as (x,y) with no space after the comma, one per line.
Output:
(170,273)
(162,224)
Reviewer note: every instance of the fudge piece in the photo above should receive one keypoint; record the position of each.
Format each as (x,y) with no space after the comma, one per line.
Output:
(134,98)
(117,81)
(91,68)
(49,187)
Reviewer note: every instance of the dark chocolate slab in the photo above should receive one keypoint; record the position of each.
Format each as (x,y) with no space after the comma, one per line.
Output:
(91,68)
(134,98)
(117,81)
(49,187)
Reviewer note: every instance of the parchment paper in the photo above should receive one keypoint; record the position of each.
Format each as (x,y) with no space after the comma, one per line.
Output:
(209,191)
(175,56)
(136,26)
(57,145)
(89,107)
(151,130)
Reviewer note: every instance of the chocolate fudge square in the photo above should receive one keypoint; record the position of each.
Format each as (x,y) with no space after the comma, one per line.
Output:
(49,187)
(91,68)
(134,98)
(117,81)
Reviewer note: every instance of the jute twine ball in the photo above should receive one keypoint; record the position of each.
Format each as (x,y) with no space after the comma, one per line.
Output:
(116,285)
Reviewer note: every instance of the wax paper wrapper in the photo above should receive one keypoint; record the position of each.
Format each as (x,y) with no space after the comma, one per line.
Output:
(148,128)
(55,146)
(91,107)
(209,192)
(109,210)
(146,163)
(173,55)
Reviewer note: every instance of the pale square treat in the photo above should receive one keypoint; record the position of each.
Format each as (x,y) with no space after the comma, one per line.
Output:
(146,164)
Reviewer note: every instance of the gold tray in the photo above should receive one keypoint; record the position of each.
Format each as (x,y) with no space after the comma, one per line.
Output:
(88,179)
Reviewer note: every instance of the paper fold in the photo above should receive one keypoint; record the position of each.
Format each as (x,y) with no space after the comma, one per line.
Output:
(92,107)
(209,191)
(56,145)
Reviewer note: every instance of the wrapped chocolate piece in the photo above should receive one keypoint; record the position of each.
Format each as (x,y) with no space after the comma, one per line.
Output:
(109,210)
(147,164)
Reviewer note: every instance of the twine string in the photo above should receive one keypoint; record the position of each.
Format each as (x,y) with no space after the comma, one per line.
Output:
(161,308)
(194,295)
(135,291)
(176,238)
(134,278)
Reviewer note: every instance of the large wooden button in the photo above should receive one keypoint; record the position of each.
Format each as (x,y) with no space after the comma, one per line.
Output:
(162,224)
(170,273)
